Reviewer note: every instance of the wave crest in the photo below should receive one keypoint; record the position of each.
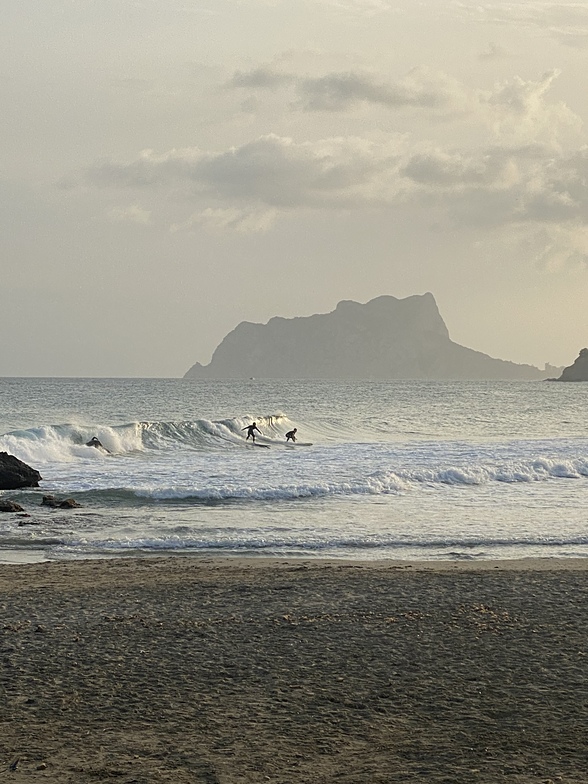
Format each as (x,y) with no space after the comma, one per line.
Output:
(67,442)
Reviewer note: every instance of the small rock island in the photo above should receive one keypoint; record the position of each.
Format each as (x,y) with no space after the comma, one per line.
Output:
(578,371)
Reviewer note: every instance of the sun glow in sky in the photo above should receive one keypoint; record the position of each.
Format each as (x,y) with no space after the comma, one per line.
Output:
(169,168)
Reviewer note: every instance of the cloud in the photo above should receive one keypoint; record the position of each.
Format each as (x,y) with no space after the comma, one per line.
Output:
(559,246)
(148,170)
(438,168)
(263,77)
(523,97)
(501,186)
(271,170)
(421,88)
(494,184)
(549,247)
(131,214)
(518,108)
(566,21)
(364,7)
(244,221)
(520,173)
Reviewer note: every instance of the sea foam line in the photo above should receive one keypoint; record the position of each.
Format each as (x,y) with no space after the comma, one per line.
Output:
(368,542)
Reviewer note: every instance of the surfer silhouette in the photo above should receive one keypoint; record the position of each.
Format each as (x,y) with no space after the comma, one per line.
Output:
(251,431)
(97,443)
(291,434)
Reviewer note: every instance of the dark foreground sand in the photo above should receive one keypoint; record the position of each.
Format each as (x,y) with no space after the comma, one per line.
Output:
(183,670)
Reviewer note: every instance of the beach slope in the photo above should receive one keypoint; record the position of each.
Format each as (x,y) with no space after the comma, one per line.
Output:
(186,670)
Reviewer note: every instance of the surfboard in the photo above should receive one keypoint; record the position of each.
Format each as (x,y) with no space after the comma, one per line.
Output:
(299,443)
(262,446)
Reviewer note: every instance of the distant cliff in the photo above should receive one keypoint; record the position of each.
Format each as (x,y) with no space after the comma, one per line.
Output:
(578,371)
(387,338)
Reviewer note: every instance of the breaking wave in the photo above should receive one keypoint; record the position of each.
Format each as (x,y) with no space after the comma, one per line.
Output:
(67,442)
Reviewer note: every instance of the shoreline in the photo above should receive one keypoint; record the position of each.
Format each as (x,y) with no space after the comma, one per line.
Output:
(17,558)
(244,670)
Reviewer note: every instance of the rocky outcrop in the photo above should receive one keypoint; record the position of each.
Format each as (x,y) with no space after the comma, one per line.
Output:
(56,503)
(387,338)
(10,506)
(579,370)
(15,474)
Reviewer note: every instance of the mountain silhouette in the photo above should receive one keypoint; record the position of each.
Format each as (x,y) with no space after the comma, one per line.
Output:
(387,338)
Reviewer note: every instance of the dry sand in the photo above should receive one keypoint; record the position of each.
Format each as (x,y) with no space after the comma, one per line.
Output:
(188,670)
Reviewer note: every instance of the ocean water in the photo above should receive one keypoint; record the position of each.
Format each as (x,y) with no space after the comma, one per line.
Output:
(393,470)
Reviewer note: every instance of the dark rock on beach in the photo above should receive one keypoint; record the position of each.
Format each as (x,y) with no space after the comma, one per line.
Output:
(15,474)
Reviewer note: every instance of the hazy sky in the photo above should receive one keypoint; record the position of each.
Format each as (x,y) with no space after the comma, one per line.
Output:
(169,168)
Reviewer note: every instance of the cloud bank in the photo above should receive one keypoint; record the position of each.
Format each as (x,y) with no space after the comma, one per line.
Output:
(522,174)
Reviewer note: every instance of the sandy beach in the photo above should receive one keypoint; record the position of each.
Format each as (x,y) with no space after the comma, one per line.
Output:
(189,670)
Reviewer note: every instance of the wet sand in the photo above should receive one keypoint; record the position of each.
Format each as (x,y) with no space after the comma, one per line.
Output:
(186,670)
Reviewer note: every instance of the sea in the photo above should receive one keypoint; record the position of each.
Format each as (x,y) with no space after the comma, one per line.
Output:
(394,470)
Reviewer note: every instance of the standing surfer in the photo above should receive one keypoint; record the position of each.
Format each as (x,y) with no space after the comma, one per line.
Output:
(251,431)
(291,434)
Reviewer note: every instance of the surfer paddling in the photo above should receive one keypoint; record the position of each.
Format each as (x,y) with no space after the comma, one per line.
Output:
(251,431)
(291,434)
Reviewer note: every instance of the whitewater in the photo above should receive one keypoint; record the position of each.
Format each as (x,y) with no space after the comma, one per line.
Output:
(393,470)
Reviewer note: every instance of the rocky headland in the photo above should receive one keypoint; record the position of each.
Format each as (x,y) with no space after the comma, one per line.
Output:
(387,338)
(578,371)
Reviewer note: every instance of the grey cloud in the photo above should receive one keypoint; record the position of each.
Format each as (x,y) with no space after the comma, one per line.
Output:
(488,168)
(271,170)
(244,221)
(443,169)
(368,7)
(279,172)
(266,170)
(515,108)
(491,185)
(339,91)
(263,77)
(519,109)
(334,92)
(522,96)
(564,195)
(250,105)
(148,170)
(565,20)
(500,185)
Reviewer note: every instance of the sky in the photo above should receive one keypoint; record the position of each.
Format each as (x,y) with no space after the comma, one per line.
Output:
(170,168)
